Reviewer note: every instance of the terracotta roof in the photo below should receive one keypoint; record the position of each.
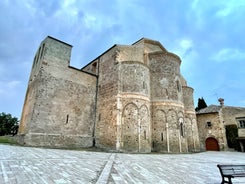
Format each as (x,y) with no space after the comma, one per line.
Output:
(209,109)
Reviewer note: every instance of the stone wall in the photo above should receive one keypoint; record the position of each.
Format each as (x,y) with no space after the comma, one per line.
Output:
(106,101)
(130,98)
(231,113)
(165,74)
(216,130)
(134,99)
(231,116)
(192,134)
(62,100)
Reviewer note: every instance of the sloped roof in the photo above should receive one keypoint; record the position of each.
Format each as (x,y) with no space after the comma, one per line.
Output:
(150,46)
(209,109)
(144,41)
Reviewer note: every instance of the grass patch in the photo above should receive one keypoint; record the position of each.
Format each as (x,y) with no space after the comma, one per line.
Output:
(7,140)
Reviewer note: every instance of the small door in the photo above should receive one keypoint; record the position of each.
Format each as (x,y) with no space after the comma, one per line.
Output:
(212,144)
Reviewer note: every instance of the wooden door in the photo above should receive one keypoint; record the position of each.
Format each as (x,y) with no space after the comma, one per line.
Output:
(212,144)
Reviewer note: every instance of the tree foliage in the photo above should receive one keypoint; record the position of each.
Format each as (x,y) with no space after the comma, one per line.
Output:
(231,135)
(201,104)
(8,124)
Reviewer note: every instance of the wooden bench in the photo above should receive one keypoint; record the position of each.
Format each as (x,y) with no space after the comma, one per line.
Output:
(231,171)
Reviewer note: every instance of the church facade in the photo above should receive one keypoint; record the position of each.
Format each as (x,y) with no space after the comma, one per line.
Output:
(131,98)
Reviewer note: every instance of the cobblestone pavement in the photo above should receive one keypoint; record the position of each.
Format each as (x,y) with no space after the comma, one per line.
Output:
(24,165)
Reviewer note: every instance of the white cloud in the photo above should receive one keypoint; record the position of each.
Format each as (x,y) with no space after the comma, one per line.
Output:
(186,44)
(9,87)
(13,84)
(68,12)
(194,4)
(189,55)
(228,54)
(186,50)
(229,7)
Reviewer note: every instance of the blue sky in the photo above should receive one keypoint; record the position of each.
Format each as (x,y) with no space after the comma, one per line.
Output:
(207,35)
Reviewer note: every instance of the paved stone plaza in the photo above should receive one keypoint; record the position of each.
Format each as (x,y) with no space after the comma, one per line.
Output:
(24,165)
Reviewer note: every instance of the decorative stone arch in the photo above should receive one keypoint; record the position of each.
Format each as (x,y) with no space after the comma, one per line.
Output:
(212,144)
(144,129)
(129,137)
(173,131)
(181,114)
(189,134)
(181,127)
(136,128)
(127,105)
(159,115)
(181,124)
(159,131)
(172,118)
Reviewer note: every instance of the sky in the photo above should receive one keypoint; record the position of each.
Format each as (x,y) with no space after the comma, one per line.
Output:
(207,35)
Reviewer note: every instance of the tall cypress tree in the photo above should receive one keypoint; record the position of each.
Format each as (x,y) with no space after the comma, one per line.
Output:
(201,104)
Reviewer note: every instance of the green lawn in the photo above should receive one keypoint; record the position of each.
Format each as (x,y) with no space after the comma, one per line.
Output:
(7,140)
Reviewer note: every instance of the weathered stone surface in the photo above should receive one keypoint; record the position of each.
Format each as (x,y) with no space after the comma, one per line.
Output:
(131,99)
(218,117)
(60,100)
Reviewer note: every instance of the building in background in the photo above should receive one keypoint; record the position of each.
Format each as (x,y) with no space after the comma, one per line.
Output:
(131,98)
(221,127)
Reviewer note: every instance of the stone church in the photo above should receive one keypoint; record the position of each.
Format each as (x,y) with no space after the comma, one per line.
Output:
(131,98)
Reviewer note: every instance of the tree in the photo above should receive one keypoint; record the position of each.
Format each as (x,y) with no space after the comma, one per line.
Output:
(201,104)
(8,124)
(231,135)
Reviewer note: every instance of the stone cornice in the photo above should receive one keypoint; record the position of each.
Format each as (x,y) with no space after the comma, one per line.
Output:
(133,96)
(168,103)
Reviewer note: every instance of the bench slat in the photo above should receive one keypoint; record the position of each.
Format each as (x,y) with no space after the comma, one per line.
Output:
(231,171)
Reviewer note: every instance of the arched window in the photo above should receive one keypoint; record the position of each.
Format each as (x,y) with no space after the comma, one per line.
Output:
(178,86)
(181,129)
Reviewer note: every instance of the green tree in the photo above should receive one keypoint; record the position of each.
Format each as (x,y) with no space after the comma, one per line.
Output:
(201,104)
(231,135)
(8,124)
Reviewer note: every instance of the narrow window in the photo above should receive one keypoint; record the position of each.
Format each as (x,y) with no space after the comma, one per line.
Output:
(94,65)
(161,136)
(143,84)
(39,50)
(178,86)
(145,134)
(42,51)
(181,130)
(209,124)
(35,61)
(67,118)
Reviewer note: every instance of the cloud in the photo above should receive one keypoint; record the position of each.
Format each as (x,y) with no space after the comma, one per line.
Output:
(13,84)
(200,32)
(228,54)
(229,7)
(9,87)
(186,50)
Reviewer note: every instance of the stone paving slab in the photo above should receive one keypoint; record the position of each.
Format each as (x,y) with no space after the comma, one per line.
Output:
(24,165)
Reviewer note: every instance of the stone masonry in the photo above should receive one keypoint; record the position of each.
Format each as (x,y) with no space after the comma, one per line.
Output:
(212,122)
(131,98)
